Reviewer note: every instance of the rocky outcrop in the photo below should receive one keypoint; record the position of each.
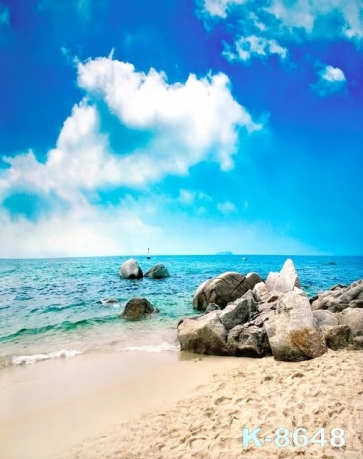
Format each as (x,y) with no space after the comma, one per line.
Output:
(137,308)
(224,289)
(204,335)
(285,280)
(340,297)
(353,318)
(131,270)
(249,340)
(157,272)
(239,312)
(245,316)
(292,330)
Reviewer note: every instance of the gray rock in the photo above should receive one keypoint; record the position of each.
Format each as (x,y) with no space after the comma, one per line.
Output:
(292,329)
(260,292)
(212,307)
(285,280)
(223,289)
(339,297)
(326,318)
(205,335)
(239,311)
(131,270)
(249,340)
(157,272)
(337,336)
(353,317)
(137,308)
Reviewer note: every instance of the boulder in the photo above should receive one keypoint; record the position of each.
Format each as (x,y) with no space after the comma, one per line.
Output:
(285,280)
(204,335)
(249,340)
(131,270)
(260,292)
(212,307)
(339,297)
(292,329)
(326,318)
(354,319)
(224,289)
(137,308)
(239,311)
(157,272)
(337,336)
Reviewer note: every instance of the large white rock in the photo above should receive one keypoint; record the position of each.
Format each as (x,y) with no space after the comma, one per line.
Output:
(292,330)
(131,270)
(285,280)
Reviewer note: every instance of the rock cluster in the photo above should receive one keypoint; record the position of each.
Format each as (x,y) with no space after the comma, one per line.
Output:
(131,270)
(245,316)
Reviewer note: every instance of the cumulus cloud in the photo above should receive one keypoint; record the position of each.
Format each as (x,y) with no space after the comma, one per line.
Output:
(272,25)
(253,46)
(189,123)
(332,79)
(185,124)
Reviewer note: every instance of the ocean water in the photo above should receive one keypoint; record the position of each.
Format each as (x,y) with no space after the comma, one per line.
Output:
(52,308)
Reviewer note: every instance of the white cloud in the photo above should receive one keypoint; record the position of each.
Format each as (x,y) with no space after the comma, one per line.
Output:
(187,123)
(82,230)
(226,207)
(190,123)
(219,7)
(253,46)
(332,79)
(274,24)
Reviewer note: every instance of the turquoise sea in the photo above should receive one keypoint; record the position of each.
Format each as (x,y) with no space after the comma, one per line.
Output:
(52,308)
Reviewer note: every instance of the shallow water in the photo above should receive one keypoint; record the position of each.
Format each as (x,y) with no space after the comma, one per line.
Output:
(51,308)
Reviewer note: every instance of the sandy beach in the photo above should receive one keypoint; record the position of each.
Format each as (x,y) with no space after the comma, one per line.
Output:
(179,406)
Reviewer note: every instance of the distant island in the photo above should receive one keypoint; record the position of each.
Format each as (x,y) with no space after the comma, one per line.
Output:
(226,252)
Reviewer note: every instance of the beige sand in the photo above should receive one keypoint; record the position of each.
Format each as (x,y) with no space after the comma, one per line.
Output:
(166,408)
(326,392)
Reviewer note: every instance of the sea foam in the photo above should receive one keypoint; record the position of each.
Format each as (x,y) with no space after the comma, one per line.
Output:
(27,359)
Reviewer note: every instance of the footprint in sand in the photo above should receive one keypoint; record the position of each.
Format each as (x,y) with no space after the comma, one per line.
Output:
(222,401)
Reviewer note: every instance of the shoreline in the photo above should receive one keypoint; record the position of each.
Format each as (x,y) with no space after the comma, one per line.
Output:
(53,405)
(142,405)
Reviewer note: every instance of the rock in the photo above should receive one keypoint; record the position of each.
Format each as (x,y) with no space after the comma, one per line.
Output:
(285,280)
(131,270)
(224,289)
(249,340)
(339,297)
(157,272)
(260,292)
(292,329)
(205,335)
(353,317)
(326,318)
(337,336)
(212,307)
(136,308)
(239,312)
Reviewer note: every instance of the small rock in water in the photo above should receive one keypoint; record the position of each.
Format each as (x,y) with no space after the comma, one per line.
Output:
(136,308)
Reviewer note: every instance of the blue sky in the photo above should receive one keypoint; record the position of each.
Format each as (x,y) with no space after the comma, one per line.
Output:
(186,126)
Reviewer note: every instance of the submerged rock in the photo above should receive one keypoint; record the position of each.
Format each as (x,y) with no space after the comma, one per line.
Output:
(157,272)
(224,289)
(131,270)
(137,308)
